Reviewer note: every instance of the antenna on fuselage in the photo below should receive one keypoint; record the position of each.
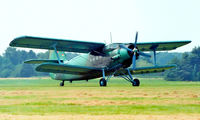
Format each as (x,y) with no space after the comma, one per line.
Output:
(105,41)
(110,37)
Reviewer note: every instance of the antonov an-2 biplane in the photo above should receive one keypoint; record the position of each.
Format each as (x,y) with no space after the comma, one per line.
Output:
(98,60)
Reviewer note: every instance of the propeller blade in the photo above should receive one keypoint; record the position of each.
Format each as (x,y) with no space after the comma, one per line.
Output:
(124,47)
(144,54)
(134,61)
(136,37)
(134,51)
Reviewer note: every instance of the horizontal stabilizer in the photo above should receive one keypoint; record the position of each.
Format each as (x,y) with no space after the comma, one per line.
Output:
(143,70)
(68,69)
(41,61)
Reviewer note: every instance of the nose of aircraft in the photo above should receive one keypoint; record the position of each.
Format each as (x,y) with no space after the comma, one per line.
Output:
(134,51)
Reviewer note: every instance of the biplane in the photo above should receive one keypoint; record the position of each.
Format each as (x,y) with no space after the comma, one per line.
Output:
(96,60)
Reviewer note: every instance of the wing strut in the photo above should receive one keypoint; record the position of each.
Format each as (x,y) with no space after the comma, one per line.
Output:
(154,55)
(103,71)
(54,47)
(154,47)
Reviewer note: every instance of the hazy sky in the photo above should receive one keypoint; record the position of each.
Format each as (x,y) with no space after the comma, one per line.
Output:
(92,20)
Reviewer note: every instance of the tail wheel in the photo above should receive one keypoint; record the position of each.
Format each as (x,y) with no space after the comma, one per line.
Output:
(62,83)
(136,82)
(102,82)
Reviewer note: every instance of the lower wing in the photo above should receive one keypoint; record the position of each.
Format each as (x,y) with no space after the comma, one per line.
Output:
(143,70)
(66,69)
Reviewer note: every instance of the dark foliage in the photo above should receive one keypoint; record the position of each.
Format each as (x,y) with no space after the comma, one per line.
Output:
(12,63)
(188,67)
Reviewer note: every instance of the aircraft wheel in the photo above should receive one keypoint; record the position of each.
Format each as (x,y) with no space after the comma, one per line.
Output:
(62,83)
(136,82)
(102,82)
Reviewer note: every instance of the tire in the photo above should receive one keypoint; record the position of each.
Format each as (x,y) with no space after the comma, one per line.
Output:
(136,82)
(102,82)
(62,83)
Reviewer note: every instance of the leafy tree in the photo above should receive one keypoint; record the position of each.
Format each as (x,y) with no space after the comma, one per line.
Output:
(12,63)
(27,70)
(31,55)
(12,55)
(43,55)
(188,67)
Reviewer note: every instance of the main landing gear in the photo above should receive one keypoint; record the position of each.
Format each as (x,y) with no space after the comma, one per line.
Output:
(102,82)
(136,82)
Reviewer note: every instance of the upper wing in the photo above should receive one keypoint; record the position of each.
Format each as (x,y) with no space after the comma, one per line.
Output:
(85,47)
(161,46)
(150,46)
(61,45)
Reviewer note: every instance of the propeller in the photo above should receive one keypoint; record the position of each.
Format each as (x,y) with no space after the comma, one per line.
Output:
(134,51)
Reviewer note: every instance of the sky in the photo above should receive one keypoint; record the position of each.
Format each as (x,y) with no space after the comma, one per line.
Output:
(93,20)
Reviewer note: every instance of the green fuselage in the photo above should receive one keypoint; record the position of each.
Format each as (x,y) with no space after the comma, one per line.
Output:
(110,59)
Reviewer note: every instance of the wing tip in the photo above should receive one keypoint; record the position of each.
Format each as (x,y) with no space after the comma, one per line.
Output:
(189,41)
(13,43)
(186,41)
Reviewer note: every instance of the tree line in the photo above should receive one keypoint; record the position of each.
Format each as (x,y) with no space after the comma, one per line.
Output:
(188,67)
(12,63)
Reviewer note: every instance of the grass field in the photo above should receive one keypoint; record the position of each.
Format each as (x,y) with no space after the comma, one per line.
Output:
(155,99)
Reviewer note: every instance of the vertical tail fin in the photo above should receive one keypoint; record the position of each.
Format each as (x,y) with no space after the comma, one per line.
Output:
(61,54)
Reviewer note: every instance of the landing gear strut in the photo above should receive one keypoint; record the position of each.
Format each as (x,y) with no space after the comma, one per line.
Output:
(62,83)
(102,82)
(129,78)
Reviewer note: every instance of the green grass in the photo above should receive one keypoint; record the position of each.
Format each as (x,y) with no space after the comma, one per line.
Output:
(45,97)
(52,108)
